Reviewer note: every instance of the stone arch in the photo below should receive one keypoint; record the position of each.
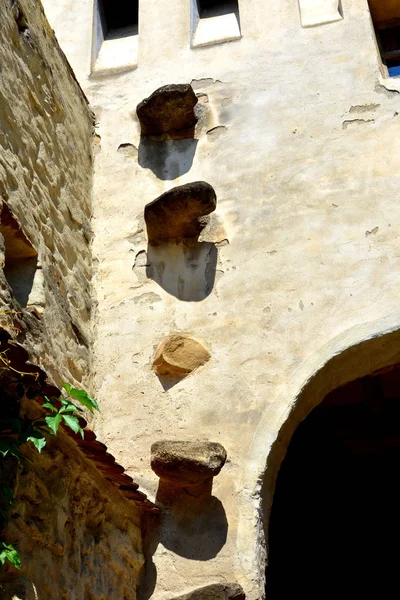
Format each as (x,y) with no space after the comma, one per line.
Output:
(363,350)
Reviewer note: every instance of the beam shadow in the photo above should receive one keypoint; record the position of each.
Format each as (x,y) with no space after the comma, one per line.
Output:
(194,523)
(185,270)
(168,159)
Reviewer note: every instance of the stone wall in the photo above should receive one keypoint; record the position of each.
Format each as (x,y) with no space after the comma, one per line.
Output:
(75,518)
(45,185)
(77,536)
(299,139)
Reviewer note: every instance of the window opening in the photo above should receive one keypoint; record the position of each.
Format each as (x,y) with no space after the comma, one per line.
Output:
(386,19)
(320,12)
(119,16)
(216,8)
(115,35)
(214,22)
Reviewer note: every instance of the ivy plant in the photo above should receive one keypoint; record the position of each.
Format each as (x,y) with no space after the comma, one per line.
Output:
(8,552)
(58,410)
(15,431)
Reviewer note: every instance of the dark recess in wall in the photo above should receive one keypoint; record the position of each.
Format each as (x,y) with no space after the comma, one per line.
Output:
(119,14)
(335,520)
(215,8)
(20,258)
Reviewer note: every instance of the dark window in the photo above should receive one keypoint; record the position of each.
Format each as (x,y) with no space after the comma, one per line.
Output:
(119,14)
(215,8)
(389,43)
(386,18)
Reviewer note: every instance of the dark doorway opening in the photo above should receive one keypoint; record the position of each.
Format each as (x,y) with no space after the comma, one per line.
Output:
(335,521)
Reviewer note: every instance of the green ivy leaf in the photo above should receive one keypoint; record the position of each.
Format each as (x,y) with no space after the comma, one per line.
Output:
(67,387)
(54,422)
(27,431)
(73,423)
(82,397)
(38,440)
(8,552)
(7,446)
(68,406)
(15,452)
(49,404)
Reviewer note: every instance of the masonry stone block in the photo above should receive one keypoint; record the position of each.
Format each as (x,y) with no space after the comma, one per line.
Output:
(187,463)
(178,355)
(179,213)
(169,112)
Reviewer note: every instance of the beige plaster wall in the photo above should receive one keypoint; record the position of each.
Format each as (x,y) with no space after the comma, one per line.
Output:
(304,162)
(77,536)
(46,182)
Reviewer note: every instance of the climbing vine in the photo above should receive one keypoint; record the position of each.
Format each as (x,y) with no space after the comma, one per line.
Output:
(17,430)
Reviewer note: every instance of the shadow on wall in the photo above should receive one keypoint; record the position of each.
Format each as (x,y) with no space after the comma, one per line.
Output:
(20,261)
(185,270)
(167,159)
(168,382)
(151,540)
(194,525)
(167,123)
(193,522)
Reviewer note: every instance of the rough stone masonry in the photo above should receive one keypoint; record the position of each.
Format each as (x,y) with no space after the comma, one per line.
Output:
(302,152)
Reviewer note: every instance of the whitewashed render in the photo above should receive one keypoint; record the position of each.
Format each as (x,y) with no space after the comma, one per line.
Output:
(300,140)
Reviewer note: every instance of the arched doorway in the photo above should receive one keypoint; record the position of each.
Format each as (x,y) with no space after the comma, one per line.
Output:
(334,529)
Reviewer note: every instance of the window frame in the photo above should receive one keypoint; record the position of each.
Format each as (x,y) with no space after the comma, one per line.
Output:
(113,49)
(209,30)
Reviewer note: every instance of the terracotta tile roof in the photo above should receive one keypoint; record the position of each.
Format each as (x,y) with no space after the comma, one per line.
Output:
(97,453)
(92,449)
